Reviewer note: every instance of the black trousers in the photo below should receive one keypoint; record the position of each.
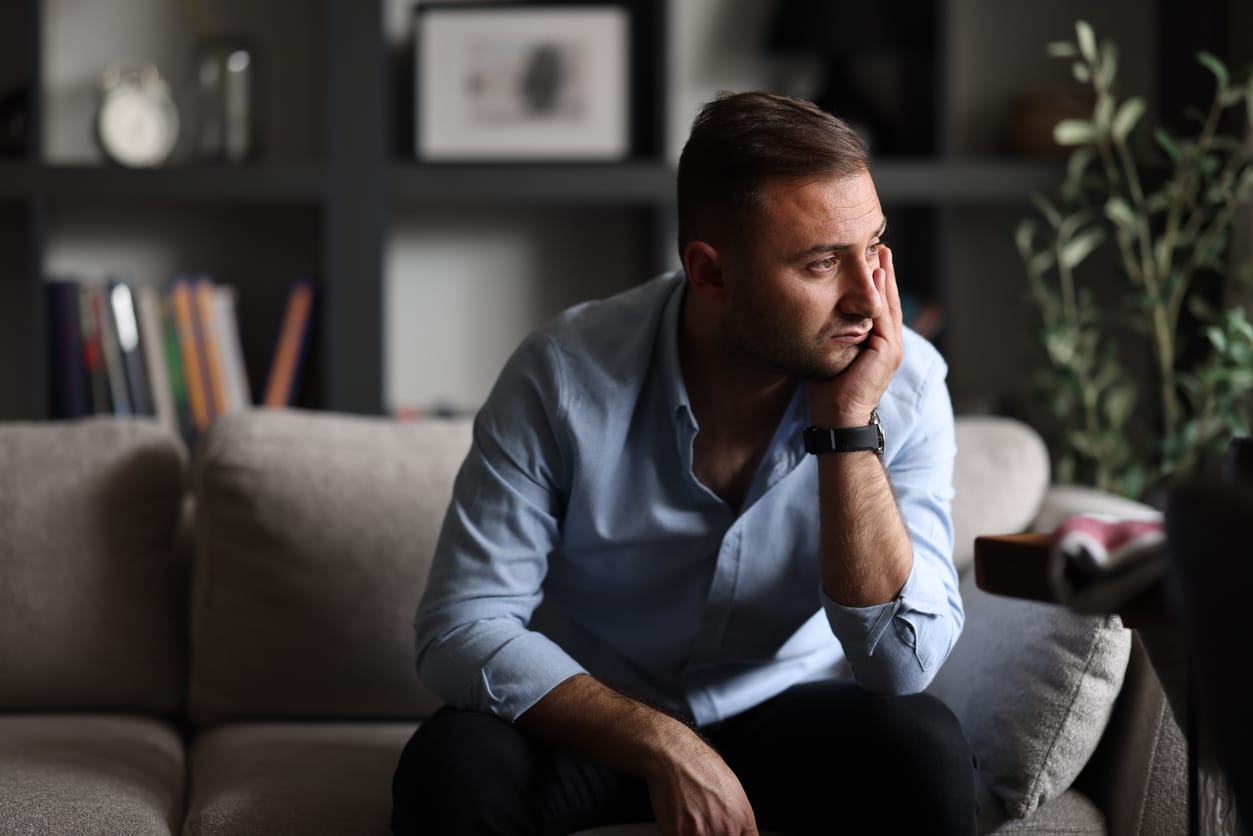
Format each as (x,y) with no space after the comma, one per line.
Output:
(823,757)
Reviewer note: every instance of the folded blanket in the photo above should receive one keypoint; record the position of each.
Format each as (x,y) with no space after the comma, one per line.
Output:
(1098,562)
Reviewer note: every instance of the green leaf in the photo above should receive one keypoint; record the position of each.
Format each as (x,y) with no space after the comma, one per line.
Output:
(1024,235)
(1061,49)
(1167,144)
(1119,401)
(1248,101)
(1202,309)
(1118,211)
(1108,65)
(1079,160)
(1216,337)
(1081,247)
(1074,132)
(1127,117)
(1103,113)
(1081,72)
(1215,65)
(1040,262)
(1087,40)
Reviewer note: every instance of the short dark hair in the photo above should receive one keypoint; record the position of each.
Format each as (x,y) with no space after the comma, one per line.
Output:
(739,140)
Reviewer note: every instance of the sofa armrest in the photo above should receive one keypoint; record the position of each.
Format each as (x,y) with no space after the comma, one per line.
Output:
(1138,774)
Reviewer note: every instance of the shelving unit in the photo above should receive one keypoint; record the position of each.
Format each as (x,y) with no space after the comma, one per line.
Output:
(335,205)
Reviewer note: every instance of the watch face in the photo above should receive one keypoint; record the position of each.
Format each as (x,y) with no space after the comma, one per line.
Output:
(137,124)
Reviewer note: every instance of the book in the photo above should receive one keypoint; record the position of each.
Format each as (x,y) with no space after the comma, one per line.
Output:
(290,345)
(93,352)
(226,324)
(152,337)
(202,288)
(68,389)
(130,349)
(115,374)
(174,367)
(199,397)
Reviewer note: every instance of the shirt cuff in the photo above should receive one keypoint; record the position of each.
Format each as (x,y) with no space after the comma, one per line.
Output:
(519,674)
(894,659)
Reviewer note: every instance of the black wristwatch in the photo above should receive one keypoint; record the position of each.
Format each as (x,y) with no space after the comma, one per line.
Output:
(820,440)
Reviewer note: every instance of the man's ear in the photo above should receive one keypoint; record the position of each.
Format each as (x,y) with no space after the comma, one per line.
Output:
(704,267)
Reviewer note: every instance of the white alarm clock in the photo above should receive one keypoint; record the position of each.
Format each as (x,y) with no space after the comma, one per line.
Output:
(137,120)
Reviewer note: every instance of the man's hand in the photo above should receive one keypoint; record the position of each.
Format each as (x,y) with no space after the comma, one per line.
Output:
(694,793)
(847,400)
(692,790)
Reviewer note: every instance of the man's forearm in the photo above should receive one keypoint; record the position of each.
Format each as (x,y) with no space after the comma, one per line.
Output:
(866,551)
(592,721)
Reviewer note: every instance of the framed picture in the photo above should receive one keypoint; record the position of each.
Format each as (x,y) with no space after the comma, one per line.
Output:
(521,81)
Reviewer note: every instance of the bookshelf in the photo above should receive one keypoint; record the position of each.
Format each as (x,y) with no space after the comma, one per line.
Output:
(337,183)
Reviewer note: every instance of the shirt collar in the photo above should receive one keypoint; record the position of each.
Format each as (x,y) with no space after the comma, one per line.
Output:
(668,351)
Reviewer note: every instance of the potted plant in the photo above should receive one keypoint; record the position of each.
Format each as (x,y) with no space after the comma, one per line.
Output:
(1166,208)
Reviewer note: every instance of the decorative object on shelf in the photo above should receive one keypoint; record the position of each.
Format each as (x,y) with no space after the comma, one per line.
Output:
(521,81)
(137,120)
(226,103)
(881,79)
(1170,219)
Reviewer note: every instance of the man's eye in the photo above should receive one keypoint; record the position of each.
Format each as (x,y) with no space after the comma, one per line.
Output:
(827,263)
(874,248)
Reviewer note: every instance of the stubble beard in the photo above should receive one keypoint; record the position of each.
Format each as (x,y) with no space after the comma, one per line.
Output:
(777,352)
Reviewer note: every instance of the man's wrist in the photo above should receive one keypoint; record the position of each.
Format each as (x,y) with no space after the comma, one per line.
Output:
(845,439)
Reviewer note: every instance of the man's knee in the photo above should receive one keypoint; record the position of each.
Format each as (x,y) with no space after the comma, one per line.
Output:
(459,771)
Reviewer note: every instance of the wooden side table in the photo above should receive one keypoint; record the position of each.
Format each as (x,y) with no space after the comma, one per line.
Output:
(1016,565)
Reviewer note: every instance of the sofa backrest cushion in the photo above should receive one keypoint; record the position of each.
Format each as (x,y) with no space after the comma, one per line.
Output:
(314,534)
(1000,478)
(92,596)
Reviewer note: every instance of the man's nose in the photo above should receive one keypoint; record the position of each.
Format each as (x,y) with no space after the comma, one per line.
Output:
(859,297)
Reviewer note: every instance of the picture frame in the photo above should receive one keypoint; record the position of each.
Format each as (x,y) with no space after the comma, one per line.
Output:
(522,81)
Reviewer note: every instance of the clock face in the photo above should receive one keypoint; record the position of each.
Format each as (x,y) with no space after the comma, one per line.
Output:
(137,124)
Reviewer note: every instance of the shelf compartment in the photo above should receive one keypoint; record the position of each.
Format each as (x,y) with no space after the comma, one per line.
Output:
(263,183)
(510,184)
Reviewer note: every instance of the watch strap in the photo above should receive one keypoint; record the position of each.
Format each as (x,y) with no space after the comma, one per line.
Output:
(820,440)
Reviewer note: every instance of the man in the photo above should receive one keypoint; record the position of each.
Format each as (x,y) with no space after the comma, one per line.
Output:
(729,487)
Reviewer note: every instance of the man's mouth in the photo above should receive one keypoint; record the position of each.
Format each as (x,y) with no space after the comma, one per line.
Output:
(850,337)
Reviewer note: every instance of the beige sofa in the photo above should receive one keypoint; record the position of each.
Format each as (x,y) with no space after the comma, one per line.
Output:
(221,643)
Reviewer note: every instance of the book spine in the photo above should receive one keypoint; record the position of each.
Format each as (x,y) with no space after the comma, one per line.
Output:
(207,339)
(116,374)
(130,346)
(152,339)
(290,345)
(233,366)
(198,396)
(71,397)
(93,352)
(174,365)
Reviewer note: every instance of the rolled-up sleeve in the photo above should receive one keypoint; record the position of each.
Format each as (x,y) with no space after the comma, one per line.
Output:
(474,646)
(898,647)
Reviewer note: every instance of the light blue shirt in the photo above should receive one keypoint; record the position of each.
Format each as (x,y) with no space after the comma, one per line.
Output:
(578,491)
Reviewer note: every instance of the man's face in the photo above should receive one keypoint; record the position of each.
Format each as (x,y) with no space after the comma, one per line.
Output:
(801,281)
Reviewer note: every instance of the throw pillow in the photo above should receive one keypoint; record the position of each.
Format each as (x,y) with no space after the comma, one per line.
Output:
(1033,685)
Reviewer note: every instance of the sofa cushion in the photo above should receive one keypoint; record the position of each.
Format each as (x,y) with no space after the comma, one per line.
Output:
(92,599)
(314,537)
(295,778)
(1033,685)
(79,775)
(999,479)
